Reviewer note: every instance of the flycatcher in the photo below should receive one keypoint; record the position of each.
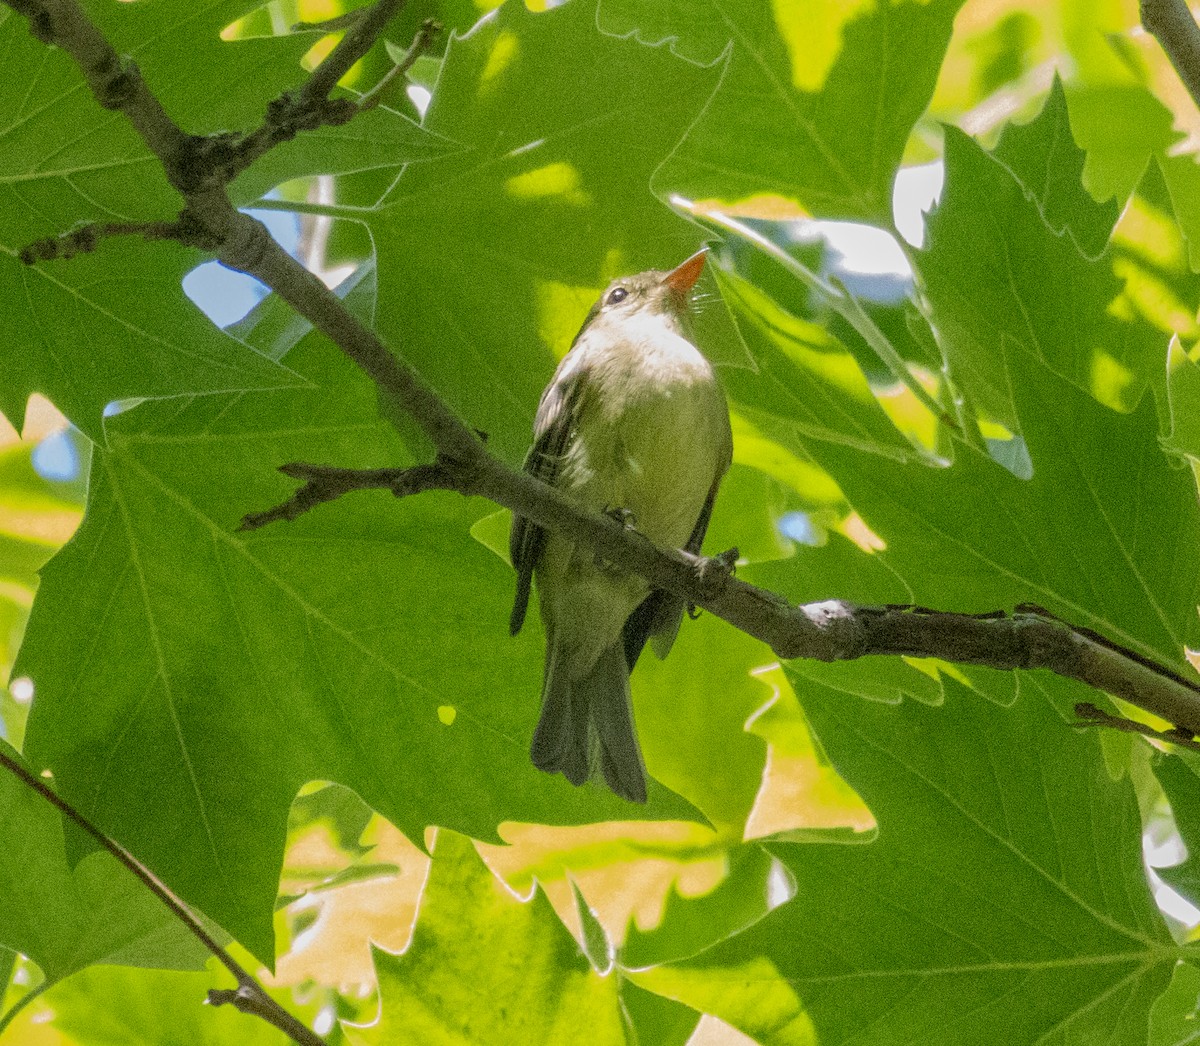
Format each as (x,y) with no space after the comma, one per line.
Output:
(634,423)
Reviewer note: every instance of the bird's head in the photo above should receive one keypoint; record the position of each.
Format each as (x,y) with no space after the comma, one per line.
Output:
(653,292)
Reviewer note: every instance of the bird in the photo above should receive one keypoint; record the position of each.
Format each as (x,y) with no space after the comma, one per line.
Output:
(634,423)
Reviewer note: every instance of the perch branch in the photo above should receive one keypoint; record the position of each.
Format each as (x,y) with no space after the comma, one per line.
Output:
(834,630)
(1172,25)
(253,998)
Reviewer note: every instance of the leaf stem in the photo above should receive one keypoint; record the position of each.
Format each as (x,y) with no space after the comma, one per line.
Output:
(839,298)
(18,1007)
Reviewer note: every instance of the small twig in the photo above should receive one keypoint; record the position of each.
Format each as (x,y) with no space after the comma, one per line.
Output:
(265,1007)
(425,36)
(1172,25)
(1090,715)
(87,238)
(311,107)
(324,483)
(356,43)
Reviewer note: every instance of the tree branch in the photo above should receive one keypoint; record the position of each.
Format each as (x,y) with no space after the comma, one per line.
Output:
(833,630)
(324,483)
(1172,25)
(254,997)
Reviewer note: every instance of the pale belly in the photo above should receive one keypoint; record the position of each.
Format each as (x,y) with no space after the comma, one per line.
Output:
(656,461)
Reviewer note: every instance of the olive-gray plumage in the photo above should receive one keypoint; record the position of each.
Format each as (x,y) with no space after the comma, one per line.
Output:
(634,421)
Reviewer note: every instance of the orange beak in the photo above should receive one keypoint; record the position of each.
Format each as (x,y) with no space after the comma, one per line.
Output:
(683,277)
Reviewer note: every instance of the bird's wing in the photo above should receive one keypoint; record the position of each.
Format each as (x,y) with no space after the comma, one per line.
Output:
(660,613)
(552,428)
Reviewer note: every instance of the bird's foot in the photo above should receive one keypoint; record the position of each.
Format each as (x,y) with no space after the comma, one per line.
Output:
(712,573)
(623,516)
(628,521)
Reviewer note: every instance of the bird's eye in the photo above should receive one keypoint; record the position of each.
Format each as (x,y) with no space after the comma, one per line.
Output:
(616,295)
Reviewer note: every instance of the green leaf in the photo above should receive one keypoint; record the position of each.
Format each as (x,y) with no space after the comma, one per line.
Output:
(1178,779)
(105,1006)
(36,515)
(1120,125)
(806,384)
(1075,538)
(1045,159)
(655,1020)
(112,326)
(376,140)
(67,917)
(1173,1017)
(910,938)
(1183,389)
(1001,283)
(595,941)
(689,925)
(1150,253)
(486,967)
(193,675)
(488,256)
(1182,175)
(820,106)
(691,711)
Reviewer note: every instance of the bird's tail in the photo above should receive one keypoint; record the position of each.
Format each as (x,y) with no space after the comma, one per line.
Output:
(587,724)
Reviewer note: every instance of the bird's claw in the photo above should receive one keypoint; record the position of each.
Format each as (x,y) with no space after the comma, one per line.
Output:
(623,516)
(712,573)
(727,560)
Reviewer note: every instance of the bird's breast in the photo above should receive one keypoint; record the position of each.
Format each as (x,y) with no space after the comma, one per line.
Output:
(652,438)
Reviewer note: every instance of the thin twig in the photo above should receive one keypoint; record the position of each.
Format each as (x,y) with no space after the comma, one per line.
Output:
(87,238)
(1090,715)
(1172,25)
(425,35)
(311,106)
(323,483)
(353,46)
(266,1007)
